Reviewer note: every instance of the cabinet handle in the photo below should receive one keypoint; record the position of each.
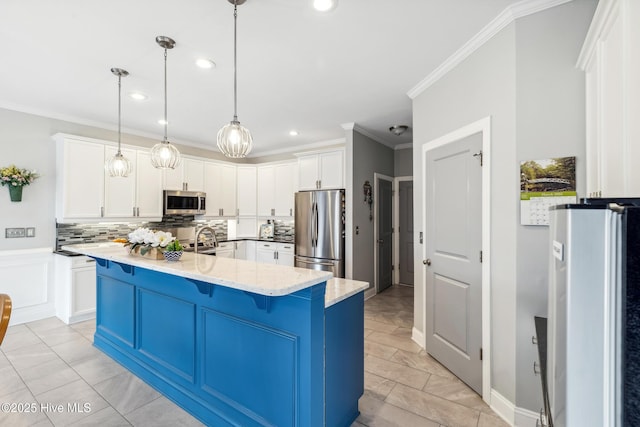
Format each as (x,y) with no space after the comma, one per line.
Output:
(90,260)
(134,211)
(273,212)
(101,211)
(290,211)
(319,184)
(138,211)
(238,212)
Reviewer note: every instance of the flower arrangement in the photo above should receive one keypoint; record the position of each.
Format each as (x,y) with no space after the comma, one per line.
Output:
(147,239)
(15,177)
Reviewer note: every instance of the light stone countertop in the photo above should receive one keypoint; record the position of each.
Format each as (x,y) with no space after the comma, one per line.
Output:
(259,278)
(341,289)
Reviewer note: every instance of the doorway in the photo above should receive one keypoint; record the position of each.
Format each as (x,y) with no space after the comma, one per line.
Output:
(404,227)
(456,264)
(383,231)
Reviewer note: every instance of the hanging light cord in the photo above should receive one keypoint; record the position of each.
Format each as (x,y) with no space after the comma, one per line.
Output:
(119,110)
(235,61)
(165,95)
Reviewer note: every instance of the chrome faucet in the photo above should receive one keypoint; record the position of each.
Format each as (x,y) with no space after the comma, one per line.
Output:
(200,230)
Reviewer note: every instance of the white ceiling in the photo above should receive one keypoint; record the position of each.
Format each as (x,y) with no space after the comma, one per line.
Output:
(297,68)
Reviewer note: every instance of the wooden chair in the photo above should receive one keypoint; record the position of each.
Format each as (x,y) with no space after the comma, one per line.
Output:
(5,314)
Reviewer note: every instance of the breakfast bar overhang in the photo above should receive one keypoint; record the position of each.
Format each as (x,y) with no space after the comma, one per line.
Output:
(235,342)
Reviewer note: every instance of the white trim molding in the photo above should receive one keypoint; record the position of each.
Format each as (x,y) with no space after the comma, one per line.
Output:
(417,336)
(377,177)
(481,126)
(506,17)
(403,146)
(28,279)
(503,407)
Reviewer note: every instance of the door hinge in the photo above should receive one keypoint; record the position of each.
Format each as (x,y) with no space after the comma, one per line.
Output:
(392,267)
(480,256)
(479,154)
(392,230)
(480,353)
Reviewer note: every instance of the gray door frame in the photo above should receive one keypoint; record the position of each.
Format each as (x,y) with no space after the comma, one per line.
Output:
(396,225)
(376,178)
(483,126)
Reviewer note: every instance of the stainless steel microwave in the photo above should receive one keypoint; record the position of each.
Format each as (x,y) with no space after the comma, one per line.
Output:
(184,202)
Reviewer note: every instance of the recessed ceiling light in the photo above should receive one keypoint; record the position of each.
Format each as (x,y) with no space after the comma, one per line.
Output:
(162,122)
(293,132)
(138,96)
(205,63)
(324,5)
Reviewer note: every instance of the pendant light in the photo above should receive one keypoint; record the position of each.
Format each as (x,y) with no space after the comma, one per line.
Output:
(163,154)
(119,165)
(235,140)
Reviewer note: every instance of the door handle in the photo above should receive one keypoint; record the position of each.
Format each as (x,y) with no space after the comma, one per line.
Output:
(380,241)
(426,261)
(327,264)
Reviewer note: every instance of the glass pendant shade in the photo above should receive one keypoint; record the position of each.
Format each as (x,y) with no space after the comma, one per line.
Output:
(119,165)
(165,156)
(234,140)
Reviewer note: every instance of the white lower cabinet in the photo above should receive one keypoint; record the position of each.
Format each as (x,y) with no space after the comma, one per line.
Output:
(275,253)
(226,250)
(75,288)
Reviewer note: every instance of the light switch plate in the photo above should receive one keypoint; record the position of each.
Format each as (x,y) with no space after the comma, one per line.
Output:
(12,233)
(31,232)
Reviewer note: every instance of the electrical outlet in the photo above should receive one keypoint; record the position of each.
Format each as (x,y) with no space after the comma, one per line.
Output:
(11,233)
(31,232)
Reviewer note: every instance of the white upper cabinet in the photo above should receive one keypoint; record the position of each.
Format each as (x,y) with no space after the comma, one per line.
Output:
(321,170)
(276,187)
(85,191)
(148,187)
(247,190)
(610,58)
(119,192)
(79,179)
(188,175)
(220,186)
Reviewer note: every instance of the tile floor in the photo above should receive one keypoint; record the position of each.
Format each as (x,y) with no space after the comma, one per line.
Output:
(50,374)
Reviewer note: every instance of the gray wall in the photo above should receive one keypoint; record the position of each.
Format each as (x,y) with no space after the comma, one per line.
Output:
(403,162)
(483,85)
(369,157)
(550,123)
(524,78)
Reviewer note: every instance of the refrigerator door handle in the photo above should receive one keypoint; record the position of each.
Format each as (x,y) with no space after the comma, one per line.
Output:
(314,224)
(327,264)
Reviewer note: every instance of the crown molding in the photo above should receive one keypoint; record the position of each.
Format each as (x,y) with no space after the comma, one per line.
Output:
(300,148)
(348,126)
(403,146)
(506,17)
(602,19)
(369,135)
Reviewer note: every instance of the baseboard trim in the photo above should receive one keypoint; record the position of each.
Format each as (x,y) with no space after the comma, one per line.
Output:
(417,336)
(526,418)
(369,293)
(503,407)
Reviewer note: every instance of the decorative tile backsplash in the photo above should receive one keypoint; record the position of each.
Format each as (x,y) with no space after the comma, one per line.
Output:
(283,230)
(68,234)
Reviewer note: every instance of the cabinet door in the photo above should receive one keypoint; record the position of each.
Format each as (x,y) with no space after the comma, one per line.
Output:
(250,251)
(241,250)
(266,190)
(285,254)
(265,256)
(148,187)
(83,291)
(308,172)
(212,179)
(331,170)
(228,184)
(173,178)
(247,190)
(81,186)
(120,193)
(284,189)
(193,174)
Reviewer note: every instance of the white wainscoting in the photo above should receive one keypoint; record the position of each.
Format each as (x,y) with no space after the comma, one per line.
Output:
(27,277)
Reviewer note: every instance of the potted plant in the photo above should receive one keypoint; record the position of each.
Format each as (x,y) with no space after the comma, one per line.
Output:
(173,251)
(148,243)
(15,179)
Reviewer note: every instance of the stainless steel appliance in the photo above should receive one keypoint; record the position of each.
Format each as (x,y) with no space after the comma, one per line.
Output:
(184,202)
(319,237)
(593,334)
(188,236)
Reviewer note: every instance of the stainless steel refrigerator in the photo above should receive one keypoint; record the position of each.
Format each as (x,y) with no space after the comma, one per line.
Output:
(593,334)
(319,237)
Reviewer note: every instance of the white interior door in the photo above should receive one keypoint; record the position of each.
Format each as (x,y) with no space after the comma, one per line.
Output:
(453,244)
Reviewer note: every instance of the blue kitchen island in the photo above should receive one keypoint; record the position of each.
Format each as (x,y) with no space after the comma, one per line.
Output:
(235,342)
